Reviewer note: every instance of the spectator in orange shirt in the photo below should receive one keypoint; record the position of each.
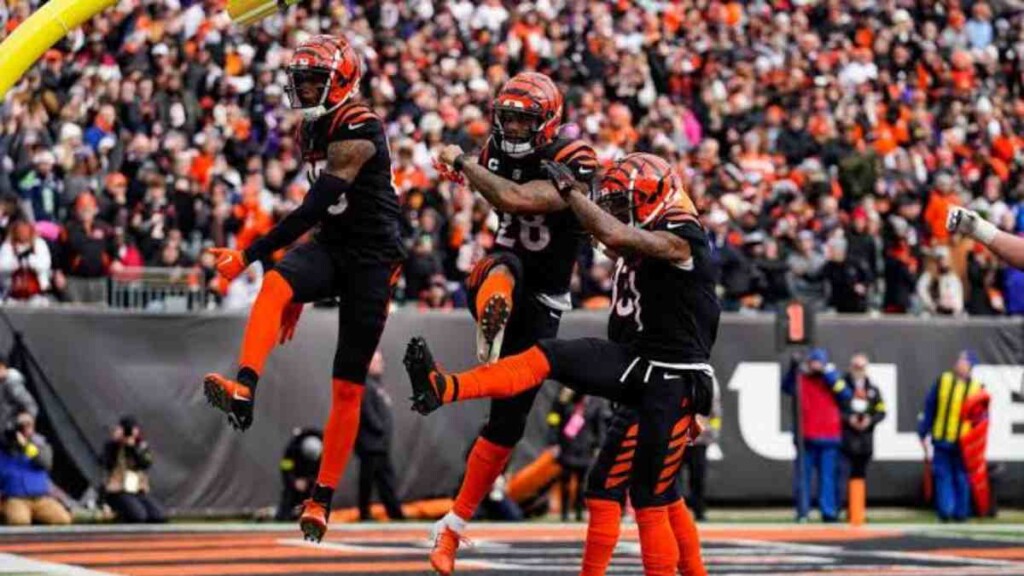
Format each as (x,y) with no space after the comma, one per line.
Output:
(941,198)
(253,220)
(406,174)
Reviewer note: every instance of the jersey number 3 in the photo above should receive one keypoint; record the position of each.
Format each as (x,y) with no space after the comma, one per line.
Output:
(534,234)
(625,296)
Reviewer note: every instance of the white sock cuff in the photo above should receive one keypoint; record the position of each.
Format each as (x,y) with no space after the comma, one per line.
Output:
(455,522)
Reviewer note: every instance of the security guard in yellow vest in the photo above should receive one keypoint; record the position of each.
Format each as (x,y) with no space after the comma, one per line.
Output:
(942,421)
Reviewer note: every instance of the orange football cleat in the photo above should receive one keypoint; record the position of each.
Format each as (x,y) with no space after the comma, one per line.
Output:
(233,398)
(313,521)
(446,544)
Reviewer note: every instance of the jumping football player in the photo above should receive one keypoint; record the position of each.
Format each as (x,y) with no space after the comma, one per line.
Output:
(1006,246)
(663,323)
(353,256)
(519,291)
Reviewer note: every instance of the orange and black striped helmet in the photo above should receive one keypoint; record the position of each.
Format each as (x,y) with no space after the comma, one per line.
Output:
(329,63)
(640,188)
(532,97)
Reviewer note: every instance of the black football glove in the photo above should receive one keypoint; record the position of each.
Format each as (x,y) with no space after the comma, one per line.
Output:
(560,175)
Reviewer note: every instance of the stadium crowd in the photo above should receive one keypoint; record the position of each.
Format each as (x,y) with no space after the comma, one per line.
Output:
(821,140)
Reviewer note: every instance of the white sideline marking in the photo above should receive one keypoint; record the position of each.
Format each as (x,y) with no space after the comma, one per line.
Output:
(17,564)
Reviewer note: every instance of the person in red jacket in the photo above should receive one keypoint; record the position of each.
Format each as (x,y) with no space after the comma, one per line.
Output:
(822,392)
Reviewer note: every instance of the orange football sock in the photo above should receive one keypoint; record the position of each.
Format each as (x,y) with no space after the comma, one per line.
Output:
(685,531)
(658,546)
(264,321)
(497,282)
(340,431)
(506,377)
(602,535)
(486,462)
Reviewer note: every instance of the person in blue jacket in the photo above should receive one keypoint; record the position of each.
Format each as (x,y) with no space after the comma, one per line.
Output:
(942,422)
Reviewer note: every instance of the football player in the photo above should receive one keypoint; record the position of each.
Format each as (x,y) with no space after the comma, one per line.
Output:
(354,255)
(519,291)
(663,324)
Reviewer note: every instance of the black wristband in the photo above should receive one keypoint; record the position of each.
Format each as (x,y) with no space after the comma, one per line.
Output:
(460,162)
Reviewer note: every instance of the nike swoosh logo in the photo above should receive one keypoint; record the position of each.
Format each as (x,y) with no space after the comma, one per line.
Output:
(356,126)
(227,259)
(235,396)
(672,226)
(586,171)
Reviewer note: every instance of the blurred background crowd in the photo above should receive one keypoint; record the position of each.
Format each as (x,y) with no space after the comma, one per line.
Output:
(822,140)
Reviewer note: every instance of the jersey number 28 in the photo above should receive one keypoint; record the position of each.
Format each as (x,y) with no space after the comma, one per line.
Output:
(533,232)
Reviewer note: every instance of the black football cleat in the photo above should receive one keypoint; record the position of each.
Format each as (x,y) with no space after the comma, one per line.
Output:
(429,385)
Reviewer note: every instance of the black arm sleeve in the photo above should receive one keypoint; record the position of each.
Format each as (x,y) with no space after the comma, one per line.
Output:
(325,192)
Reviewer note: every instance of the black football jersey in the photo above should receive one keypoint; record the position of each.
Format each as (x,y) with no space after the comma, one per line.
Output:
(363,223)
(667,312)
(546,244)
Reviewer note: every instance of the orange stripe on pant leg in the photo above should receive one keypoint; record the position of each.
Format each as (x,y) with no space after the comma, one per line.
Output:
(681,441)
(621,468)
(669,472)
(625,456)
(674,457)
(681,425)
(616,481)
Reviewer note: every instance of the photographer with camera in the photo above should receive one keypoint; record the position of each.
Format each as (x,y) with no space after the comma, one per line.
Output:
(14,395)
(126,458)
(25,462)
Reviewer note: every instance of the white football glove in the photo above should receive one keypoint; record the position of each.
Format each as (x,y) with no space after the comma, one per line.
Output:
(970,223)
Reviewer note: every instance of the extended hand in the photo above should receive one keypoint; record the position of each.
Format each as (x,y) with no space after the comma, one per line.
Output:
(230,263)
(970,223)
(560,175)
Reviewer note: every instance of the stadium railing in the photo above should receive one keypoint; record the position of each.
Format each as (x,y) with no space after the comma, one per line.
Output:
(158,289)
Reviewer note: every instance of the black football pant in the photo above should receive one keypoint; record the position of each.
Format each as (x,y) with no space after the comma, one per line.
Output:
(316,272)
(649,432)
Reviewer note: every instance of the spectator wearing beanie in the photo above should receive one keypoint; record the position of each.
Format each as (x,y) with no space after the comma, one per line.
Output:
(88,249)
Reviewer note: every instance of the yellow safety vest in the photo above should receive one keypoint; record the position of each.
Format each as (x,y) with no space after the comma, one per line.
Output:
(949,402)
